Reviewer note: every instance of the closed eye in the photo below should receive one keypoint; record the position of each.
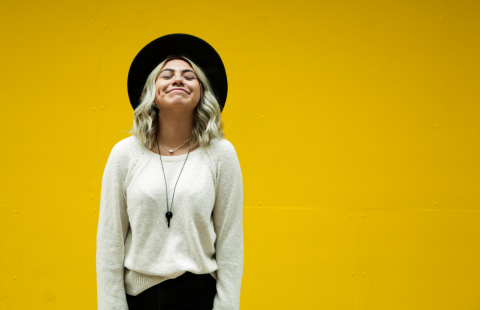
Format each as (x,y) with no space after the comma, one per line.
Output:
(169,76)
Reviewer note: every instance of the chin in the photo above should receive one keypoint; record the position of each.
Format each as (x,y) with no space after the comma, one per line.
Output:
(181,106)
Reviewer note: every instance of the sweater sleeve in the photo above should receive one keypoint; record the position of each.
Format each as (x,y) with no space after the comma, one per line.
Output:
(228,224)
(112,230)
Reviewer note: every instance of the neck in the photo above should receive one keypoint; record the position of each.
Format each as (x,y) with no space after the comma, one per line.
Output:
(174,129)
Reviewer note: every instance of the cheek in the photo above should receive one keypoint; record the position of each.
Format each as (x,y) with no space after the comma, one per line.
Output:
(198,90)
(199,93)
(159,88)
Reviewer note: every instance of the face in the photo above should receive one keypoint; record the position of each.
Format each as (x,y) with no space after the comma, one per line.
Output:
(177,87)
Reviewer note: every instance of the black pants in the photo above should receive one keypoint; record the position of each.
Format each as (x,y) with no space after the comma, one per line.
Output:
(187,292)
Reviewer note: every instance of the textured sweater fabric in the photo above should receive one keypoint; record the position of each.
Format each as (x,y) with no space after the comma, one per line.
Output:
(137,250)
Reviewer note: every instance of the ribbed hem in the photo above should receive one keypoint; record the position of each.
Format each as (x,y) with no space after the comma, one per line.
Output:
(136,282)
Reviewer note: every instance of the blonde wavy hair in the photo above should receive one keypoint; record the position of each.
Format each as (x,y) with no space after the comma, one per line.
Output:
(208,124)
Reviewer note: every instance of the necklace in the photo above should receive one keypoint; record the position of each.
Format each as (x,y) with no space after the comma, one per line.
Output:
(169,213)
(171,151)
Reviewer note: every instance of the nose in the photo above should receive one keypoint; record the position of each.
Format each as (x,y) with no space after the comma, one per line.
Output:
(178,80)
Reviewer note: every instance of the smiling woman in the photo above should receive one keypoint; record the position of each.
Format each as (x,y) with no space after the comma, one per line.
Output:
(151,255)
(197,99)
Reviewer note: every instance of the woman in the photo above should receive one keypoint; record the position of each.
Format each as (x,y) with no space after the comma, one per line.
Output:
(170,230)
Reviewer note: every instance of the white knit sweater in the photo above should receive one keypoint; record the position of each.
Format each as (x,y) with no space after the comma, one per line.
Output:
(135,247)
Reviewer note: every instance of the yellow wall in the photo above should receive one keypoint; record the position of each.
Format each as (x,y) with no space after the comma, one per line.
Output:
(356,124)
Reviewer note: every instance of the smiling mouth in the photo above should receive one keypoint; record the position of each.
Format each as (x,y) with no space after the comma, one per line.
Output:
(177,90)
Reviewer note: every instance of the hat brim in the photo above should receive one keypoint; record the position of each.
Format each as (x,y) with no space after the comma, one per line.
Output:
(199,51)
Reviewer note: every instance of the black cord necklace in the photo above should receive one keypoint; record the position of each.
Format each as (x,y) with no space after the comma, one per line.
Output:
(169,213)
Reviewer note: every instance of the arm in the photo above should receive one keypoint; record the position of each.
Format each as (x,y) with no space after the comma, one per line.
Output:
(228,224)
(111,233)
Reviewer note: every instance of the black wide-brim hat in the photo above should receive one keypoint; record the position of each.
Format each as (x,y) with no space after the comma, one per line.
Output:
(196,49)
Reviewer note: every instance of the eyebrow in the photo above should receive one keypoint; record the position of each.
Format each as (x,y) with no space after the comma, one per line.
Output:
(184,70)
